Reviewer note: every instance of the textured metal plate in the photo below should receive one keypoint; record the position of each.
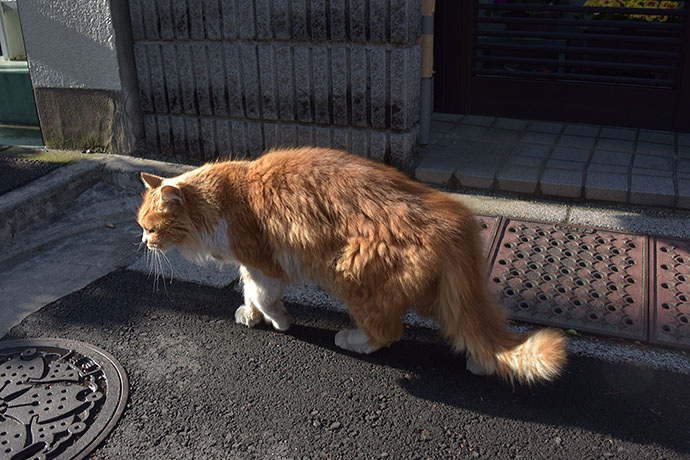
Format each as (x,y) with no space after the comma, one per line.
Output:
(58,398)
(572,277)
(487,231)
(671,293)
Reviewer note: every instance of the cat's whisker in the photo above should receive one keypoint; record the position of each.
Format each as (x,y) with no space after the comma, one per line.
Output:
(167,260)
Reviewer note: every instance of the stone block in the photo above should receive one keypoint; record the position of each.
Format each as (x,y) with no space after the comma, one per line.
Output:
(201,77)
(254,138)
(615,145)
(136,20)
(360,143)
(245,20)
(165,140)
(582,130)
(283,64)
(477,172)
(179,136)
(478,120)
(379,146)
(435,169)
(606,186)
(223,138)
(337,20)
(305,135)
(655,149)
(172,83)
(359,86)
(569,153)
(239,138)
(404,87)
(288,135)
(341,139)
(321,92)
(607,168)
(653,162)
(561,182)
(216,66)
(150,129)
(142,65)
(652,190)
(497,134)
(683,201)
(185,71)
(193,140)
(377,28)
(196,21)
(611,157)
(656,137)
(580,142)
(623,134)
(209,149)
(358,21)
(262,16)
(378,86)
(302,75)
(546,127)
(150,18)
(212,20)
(525,161)
(318,20)
(405,21)
(539,138)
(271,136)
(520,178)
(531,150)
(280,20)
(300,28)
(180,19)
(403,148)
(233,78)
(322,136)
(267,81)
(466,132)
(250,80)
(339,85)
(165,20)
(228,13)
(511,123)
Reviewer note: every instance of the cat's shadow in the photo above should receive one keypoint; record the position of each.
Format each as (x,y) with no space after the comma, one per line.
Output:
(627,402)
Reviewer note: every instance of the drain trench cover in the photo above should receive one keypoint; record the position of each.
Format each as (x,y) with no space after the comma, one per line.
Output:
(573,277)
(671,291)
(58,398)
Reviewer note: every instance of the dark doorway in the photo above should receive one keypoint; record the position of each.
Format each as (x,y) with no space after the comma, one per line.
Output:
(563,60)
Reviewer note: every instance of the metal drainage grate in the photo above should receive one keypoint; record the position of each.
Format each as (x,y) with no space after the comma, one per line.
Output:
(487,231)
(58,398)
(671,290)
(572,277)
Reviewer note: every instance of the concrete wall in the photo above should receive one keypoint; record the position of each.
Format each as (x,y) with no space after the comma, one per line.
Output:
(221,77)
(78,54)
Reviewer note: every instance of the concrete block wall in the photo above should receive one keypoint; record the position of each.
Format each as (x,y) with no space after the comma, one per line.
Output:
(221,77)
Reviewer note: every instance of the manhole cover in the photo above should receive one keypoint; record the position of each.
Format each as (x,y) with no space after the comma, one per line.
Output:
(671,290)
(58,398)
(573,277)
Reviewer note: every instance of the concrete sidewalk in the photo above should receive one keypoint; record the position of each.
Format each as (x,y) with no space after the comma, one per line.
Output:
(67,240)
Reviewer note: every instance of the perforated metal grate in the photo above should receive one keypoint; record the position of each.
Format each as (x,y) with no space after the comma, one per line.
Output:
(58,398)
(572,277)
(671,293)
(488,226)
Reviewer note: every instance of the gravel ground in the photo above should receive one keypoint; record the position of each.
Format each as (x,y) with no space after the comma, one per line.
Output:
(16,171)
(204,387)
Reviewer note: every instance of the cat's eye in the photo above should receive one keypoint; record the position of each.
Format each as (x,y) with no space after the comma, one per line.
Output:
(151,231)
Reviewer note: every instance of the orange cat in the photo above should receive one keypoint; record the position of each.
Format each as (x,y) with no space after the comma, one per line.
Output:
(376,239)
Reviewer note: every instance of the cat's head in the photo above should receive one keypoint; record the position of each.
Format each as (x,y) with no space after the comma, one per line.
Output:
(162,215)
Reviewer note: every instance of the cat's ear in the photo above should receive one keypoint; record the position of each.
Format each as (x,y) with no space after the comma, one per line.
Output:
(171,194)
(151,181)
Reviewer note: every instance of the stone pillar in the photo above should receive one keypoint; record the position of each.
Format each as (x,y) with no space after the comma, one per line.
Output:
(82,71)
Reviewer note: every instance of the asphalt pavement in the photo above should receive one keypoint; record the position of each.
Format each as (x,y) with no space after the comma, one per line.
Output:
(205,387)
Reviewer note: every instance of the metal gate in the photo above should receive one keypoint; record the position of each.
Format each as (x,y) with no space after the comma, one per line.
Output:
(609,61)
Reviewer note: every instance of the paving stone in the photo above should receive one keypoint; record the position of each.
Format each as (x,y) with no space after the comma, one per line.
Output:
(582,130)
(447,117)
(539,138)
(565,164)
(522,160)
(546,127)
(531,150)
(684,139)
(478,120)
(684,151)
(492,148)
(518,178)
(604,168)
(511,123)
(561,182)
(652,190)
(576,141)
(615,145)
(606,186)
(438,169)
(655,149)
(569,153)
(611,157)
(651,172)
(441,127)
(625,134)
(502,135)
(683,165)
(658,137)
(477,173)
(468,132)
(653,162)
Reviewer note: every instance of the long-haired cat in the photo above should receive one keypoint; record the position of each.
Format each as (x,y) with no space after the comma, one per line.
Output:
(379,241)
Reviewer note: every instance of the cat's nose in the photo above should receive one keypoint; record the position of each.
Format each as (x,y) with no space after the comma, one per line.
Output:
(144,238)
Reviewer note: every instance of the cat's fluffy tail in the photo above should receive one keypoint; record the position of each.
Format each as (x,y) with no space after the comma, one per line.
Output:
(474,322)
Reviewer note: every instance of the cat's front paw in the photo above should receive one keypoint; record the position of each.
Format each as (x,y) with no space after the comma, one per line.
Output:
(248,315)
(281,321)
(354,340)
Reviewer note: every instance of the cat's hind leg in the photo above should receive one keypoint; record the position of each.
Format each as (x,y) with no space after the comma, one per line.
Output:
(262,299)
(379,324)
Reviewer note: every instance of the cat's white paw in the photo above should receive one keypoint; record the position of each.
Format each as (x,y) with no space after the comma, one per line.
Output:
(281,321)
(478,369)
(354,340)
(248,316)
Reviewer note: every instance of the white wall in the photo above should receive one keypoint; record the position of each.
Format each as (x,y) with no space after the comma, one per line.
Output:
(70,43)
